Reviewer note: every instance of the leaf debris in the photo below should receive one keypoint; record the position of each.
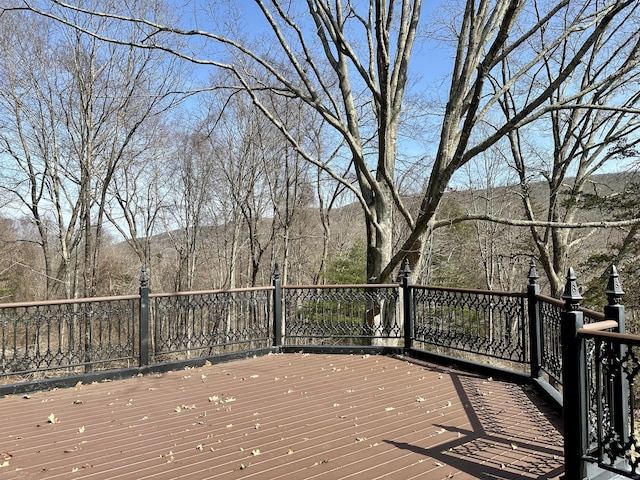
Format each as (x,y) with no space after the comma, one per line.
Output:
(6,456)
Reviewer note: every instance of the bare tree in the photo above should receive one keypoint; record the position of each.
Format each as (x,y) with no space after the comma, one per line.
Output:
(591,121)
(335,82)
(257,176)
(138,195)
(35,173)
(349,63)
(76,105)
(503,251)
(190,186)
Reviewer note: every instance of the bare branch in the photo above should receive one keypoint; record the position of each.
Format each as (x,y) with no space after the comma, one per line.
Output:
(534,223)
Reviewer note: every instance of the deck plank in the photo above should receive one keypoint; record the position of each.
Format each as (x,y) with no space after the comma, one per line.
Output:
(287,416)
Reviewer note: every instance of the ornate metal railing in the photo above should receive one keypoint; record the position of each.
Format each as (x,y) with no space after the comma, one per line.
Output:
(550,334)
(551,346)
(341,315)
(68,336)
(613,440)
(490,324)
(202,324)
(596,372)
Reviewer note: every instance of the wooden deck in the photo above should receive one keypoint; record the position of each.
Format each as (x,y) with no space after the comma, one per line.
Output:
(284,416)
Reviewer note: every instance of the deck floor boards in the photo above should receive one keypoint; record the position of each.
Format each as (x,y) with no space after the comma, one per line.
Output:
(289,416)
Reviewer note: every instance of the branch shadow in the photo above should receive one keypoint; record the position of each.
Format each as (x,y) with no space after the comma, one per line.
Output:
(489,431)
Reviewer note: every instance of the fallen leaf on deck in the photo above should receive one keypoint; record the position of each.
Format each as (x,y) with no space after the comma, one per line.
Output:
(6,456)
(52,418)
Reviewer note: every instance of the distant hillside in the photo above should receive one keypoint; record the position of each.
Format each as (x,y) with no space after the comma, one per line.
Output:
(461,249)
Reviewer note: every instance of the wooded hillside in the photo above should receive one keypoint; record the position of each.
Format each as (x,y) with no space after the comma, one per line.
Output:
(475,254)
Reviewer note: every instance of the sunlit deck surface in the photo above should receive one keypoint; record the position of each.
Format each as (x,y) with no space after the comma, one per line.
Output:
(285,416)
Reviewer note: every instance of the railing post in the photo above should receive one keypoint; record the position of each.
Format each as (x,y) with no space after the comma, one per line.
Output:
(614,310)
(535,329)
(277,307)
(407,304)
(574,385)
(144,317)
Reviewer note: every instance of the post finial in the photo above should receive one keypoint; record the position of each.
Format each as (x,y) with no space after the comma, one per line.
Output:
(406,269)
(571,294)
(404,274)
(144,278)
(276,272)
(614,290)
(533,273)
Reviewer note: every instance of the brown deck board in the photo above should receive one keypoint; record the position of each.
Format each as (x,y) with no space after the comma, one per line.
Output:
(285,417)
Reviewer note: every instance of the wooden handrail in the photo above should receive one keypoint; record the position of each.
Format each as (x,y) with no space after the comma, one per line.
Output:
(599,326)
(615,337)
